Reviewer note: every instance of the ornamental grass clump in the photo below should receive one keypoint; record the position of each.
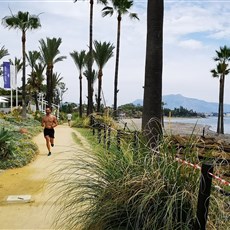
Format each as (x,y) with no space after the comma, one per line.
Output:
(127,189)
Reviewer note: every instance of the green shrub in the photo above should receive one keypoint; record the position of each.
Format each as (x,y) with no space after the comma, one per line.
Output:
(5,137)
(19,149)
(132,189)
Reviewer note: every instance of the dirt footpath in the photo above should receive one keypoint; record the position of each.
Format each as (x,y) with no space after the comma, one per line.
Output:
(33,180)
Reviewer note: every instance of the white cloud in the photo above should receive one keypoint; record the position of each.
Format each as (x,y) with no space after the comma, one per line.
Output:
(191,44)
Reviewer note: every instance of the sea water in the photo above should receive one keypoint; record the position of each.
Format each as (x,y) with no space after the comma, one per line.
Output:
(210,121)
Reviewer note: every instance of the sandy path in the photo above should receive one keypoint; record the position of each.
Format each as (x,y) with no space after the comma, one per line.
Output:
(33,180)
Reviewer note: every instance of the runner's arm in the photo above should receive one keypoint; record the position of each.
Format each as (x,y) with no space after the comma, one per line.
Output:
(43,122)
(55,123)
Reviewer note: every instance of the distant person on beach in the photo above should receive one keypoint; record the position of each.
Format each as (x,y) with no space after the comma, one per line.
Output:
(49,122)
(69,117)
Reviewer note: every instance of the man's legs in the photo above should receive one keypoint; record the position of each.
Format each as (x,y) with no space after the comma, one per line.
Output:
(48,144)
(52,141)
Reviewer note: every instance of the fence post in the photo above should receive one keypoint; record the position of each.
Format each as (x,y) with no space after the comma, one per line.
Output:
(119,139)
(204,196)
(109,137)
(99,133)
(125,125)
(104,128)
(92,122)
(135,141)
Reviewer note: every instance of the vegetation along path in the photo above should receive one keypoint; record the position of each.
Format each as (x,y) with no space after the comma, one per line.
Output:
(33,180)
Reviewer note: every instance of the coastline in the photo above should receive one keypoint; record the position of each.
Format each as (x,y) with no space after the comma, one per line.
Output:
(179,128)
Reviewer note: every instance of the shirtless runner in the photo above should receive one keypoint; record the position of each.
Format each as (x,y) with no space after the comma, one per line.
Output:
(49,121)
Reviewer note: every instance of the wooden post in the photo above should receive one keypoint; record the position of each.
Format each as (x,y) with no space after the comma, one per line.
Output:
(104,128)
(135,141)
(109,137)
(204,196)
(118,139)
(99,133)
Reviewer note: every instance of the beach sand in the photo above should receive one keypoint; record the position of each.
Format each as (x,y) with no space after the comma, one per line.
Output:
(177,128)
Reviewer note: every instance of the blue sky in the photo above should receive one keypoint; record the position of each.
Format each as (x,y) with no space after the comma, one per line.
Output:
(193,30)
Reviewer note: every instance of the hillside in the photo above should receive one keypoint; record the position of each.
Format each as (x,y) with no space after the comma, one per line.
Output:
(176,100)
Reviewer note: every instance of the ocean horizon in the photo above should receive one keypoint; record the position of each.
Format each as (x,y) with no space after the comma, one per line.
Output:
(207,121)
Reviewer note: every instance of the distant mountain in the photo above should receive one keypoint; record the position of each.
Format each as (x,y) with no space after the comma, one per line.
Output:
(200,106)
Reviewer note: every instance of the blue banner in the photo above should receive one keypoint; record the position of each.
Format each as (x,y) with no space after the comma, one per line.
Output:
(6,74)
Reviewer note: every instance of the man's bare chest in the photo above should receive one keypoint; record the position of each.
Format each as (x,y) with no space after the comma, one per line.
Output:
(49,119)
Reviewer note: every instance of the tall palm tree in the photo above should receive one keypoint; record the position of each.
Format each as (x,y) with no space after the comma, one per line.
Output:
(35,80)
(22,21)
(87,74)
(152,105)
(33,57)
(49,50)
(94,76)
(3,52)
(222,69)
(57,80)
(90,77)
(102,53)
(17,62)
(121,7)
(79,60)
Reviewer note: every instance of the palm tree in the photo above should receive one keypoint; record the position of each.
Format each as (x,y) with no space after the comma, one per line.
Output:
(33,57)
(90,77)
(22,21)
(35,80)
(94,75)
(57,80)
(152,105)
(79,60)
(223,57)
(49,50)
(102,53)
(121,7)
(3,52)
(87,73)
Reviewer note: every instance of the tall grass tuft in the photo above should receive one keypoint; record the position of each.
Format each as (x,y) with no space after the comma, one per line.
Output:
(129,189)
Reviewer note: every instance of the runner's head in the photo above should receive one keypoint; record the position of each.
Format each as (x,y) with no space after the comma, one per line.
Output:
(48,110)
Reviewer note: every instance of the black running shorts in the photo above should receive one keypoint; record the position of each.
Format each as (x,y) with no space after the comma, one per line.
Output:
(49,132)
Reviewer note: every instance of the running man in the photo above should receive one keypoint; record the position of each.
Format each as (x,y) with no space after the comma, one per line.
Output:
(69,117)
(49,121)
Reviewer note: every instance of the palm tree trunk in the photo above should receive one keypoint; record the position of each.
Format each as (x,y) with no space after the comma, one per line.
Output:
(24,74)
(80,102)
(36,101)
(222,106)
(152,107)
(115,113)
(90,80)
(49,86)
(99,90)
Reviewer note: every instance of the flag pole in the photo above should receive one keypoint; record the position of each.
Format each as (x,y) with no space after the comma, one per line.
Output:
(11,96)
(16,86)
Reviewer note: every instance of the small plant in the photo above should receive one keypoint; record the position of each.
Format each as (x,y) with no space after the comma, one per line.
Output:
(5,137)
